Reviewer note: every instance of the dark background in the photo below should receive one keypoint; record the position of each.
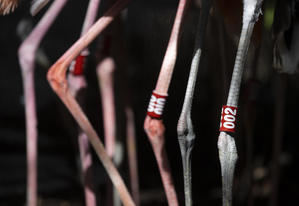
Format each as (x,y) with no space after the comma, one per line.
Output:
(145,34)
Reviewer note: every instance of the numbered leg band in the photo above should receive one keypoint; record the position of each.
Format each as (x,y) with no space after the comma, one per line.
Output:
(156,106)
(77,66)
(228,119)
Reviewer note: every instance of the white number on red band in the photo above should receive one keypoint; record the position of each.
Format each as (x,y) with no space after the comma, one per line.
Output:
(228,119)
(156,106)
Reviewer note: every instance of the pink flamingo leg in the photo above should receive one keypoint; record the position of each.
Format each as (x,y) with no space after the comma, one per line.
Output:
(86,161)
(105,72)
(154,128)
(76,83)
(155,131)
(56,77)
(91,15)
(132,154)
(26,57)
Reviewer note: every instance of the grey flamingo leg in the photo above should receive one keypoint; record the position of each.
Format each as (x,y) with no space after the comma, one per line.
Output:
(186,135)
(226,143)
(26,57)
(57,80)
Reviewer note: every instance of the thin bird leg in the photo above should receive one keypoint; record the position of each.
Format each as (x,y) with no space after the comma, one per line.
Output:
(77,83)
(91,15)
(86,164)
(186,135)
(56,77)
(153,124)
(131,144)
(226,143)
(37,5)
(132,154)
(26,55)
(105,72)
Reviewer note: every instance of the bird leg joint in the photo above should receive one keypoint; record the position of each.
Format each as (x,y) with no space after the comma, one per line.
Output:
(57,79)
(228,157)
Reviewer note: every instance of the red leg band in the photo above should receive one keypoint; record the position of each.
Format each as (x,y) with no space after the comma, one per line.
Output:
(77,66)
(228,119)
(156,105)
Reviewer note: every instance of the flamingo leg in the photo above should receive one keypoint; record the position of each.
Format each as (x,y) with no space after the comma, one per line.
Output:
(105,72)
(155,131)
(86,164)
(226,143)
(153,124)
(77,82)
(186,135)
(26,54)
(57,80)
(37,5)
(132,154)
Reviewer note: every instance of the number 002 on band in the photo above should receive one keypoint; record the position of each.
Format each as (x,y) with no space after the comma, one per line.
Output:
(228,119)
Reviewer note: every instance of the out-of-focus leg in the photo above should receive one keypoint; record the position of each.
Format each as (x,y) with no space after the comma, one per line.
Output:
(26,54)
(56,77)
